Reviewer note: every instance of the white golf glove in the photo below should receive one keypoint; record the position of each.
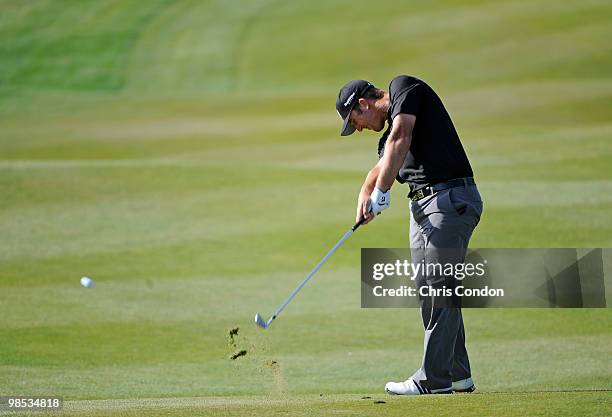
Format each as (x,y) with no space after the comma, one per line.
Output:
(379,200)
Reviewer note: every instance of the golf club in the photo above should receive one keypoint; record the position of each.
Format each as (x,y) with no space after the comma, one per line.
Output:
(262,323)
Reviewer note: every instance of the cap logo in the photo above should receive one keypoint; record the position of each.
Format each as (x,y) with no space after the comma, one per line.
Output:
(348,100)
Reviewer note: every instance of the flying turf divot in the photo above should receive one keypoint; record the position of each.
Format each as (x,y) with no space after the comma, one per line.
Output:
(232,343)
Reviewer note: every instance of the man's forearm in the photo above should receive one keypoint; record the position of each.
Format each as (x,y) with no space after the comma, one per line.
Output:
(396,149)
(395,154)
(370,181)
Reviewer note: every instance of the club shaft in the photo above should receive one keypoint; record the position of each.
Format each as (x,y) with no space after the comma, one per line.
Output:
(315,269)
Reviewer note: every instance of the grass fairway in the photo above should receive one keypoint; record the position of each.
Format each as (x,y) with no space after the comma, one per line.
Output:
(495,404)
(185,155)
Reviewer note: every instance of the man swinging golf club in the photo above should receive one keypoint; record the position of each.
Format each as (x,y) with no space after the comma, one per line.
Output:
(421,147)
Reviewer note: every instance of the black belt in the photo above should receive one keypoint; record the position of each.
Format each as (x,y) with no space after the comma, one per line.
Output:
(434,188)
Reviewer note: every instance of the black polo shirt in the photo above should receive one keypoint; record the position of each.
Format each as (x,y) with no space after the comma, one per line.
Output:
(436,154)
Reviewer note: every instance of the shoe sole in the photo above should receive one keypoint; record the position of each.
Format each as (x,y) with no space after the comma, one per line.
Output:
(391,392)
(443,392)
(467,390)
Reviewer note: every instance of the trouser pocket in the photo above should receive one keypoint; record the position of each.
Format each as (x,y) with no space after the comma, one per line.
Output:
(466,201)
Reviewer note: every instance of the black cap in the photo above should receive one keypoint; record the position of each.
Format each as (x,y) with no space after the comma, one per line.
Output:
(348,96)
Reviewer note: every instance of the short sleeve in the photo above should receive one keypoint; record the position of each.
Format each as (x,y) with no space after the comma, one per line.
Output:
(405,96)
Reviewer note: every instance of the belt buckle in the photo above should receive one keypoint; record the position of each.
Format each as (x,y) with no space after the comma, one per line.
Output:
(418,195)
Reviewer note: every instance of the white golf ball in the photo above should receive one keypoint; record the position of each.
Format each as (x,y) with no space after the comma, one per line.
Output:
(87,282)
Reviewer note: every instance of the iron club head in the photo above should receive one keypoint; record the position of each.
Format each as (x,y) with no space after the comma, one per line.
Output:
(260,321)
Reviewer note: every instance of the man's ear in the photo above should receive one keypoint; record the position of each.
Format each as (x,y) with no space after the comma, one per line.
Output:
(363,104)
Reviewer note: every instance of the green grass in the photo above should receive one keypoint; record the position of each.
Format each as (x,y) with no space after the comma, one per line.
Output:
(532,404)
(186,156)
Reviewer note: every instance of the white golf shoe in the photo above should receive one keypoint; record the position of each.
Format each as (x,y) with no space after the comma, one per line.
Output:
(464,385)
(412,387)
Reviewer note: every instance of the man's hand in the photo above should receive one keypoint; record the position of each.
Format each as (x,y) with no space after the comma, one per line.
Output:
(363,209)
(379,200)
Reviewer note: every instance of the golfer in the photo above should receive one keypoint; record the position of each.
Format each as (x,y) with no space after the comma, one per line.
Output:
(422,148)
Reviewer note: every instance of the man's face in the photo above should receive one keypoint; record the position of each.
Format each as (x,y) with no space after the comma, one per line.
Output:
(368,118)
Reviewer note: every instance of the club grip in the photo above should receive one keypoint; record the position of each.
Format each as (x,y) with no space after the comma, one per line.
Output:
(359,223)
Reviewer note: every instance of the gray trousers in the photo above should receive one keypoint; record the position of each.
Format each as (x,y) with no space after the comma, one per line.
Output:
(440,229)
